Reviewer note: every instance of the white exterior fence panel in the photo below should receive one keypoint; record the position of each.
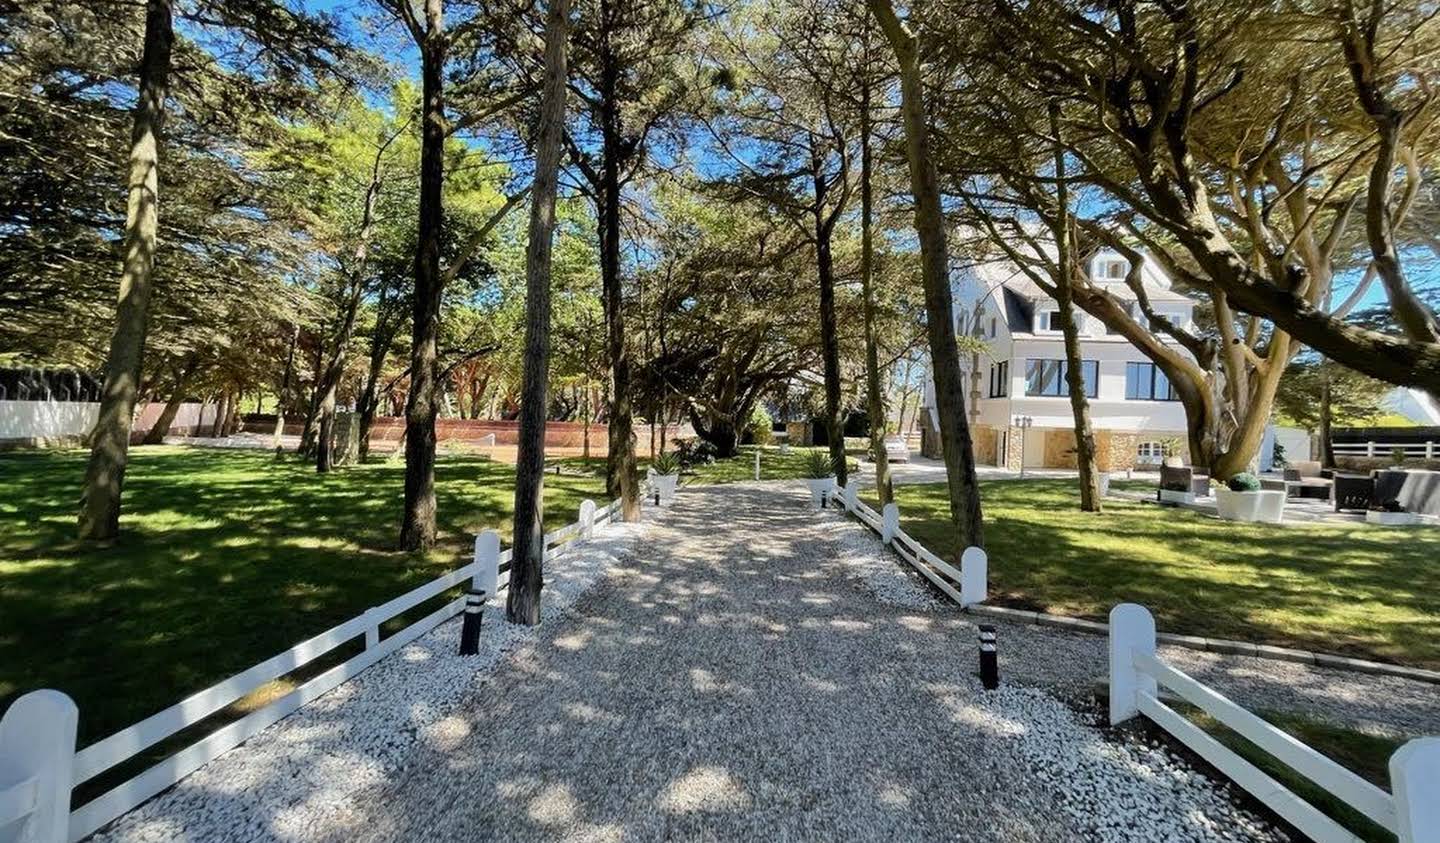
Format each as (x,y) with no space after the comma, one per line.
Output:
(1137,675)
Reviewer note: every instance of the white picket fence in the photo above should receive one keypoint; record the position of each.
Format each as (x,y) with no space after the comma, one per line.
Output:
(39,766)
(966,585)
(1411,812)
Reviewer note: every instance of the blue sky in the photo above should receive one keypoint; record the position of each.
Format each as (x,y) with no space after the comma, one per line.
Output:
(1424,271)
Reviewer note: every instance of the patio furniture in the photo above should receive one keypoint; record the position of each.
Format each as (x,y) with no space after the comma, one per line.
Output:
(1414,489)
(1172,476)
(1352,491)
(1304,480)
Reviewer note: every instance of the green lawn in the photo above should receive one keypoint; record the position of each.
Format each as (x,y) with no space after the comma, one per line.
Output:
(1365,591)
(773,466)
(226,558)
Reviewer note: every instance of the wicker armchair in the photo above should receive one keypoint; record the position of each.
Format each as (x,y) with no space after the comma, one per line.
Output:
(1353,491)
(1170,476)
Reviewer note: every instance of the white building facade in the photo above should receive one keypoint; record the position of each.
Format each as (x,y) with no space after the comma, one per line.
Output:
(1018,399)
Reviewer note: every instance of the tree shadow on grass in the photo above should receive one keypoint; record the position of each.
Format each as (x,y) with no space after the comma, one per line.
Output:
(225,558)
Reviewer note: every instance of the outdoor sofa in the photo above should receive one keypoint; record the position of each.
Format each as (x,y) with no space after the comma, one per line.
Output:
(1415,490)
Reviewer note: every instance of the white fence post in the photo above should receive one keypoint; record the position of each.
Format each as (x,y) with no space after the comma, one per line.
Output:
(852,496)
(1430,450)
(1415,780)
(1370,449)
(1132,630)
(889,522)
(587,518)
(37,757)
(487,563)
(974,573)
(372,630)
(757,462)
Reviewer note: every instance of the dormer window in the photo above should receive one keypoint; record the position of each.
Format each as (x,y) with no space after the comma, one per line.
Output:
(1111,269)
(1047,320)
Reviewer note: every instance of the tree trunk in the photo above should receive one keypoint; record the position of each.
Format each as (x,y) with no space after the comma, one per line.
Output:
(285,389)
(325,449)
(156,435)
(830,346)
(935,271)
(312,412)
(875,399)
(370,399)
(110,440)
(1327,444)
(1066,262)
(232,415)
(527,572)
(620,477)
(417,530)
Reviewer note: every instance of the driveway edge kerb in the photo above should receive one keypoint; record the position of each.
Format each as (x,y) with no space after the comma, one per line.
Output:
(1217,645)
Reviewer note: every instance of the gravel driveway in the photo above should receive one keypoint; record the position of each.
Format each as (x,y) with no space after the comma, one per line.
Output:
(758,671)
(739,668)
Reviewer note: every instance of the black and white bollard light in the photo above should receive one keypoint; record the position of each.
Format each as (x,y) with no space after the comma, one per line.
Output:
(989,664)
(470,630)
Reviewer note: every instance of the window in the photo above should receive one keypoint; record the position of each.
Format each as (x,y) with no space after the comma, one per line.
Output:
(1000,379)
(1145,382)
(1150,453)
(1111,269)
(1047,320)
(1047,377)
(992,328)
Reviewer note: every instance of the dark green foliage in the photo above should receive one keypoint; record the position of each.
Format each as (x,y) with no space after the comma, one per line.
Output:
(1244,482)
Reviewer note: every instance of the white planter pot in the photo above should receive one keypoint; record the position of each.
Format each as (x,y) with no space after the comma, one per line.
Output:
(1169,496)
(819,488)
(664,485)
(1392,519)
(1266,505)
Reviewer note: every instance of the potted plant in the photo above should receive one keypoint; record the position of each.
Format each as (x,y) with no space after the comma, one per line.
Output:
(820,477)
(1176,492)
(1390,514)
(665,476)
(1242,499)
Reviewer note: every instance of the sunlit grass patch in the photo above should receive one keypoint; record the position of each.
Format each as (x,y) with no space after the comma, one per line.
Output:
(1365,591)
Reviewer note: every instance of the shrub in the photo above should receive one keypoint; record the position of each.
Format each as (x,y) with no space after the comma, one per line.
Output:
(1278,457)
(762,427)
(1244,482)
(666,464)
(695,451)
(818,465)
(1397,456)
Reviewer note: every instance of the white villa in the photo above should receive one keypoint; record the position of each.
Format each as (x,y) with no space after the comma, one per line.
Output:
(1022,380)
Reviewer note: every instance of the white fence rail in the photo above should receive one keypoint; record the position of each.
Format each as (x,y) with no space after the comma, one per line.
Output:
(1413,450)
(965,585)
(1137,674)
(39,766)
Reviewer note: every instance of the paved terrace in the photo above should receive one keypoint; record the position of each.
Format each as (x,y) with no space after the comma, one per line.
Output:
(739,667)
